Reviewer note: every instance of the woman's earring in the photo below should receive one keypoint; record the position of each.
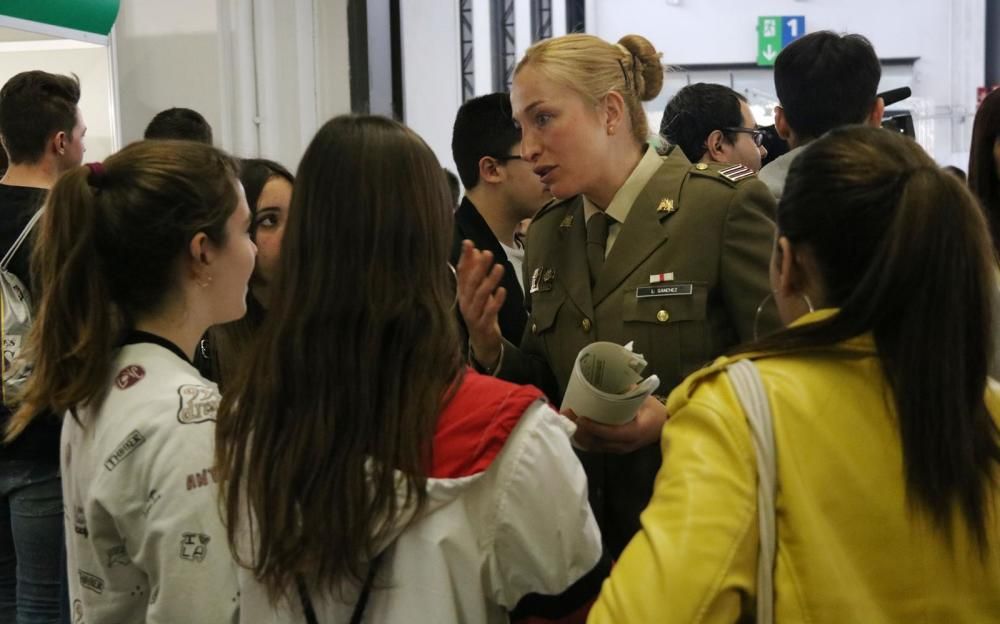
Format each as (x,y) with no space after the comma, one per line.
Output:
(809,303)
(756,318)
(769,297)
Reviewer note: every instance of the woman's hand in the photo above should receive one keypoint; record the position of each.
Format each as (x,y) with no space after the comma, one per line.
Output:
(480,298)
(641,431)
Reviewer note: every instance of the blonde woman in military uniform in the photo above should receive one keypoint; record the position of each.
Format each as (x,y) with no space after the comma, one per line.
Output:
(630,222)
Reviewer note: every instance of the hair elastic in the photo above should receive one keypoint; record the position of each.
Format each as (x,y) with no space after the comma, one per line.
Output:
(97,174)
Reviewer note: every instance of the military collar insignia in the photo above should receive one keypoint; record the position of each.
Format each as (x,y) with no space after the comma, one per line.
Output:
(567,222)
(736,173)
(666,205)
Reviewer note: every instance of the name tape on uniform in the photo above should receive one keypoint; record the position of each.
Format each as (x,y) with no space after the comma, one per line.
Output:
(666,290)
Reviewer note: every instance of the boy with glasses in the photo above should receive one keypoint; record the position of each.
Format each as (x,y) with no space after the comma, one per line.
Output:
(501,190)
(713,123)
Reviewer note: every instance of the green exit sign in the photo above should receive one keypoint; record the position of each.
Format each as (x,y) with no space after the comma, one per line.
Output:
(774,33)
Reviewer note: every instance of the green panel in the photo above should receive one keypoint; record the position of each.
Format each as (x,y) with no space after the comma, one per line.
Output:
(768,39)
(92,16)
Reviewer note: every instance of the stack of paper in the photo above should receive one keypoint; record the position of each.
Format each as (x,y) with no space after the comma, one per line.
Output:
(606,384)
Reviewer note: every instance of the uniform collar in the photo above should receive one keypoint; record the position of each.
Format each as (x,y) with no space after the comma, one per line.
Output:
(623,200)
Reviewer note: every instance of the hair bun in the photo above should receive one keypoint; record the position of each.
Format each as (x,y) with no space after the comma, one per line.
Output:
(649,68)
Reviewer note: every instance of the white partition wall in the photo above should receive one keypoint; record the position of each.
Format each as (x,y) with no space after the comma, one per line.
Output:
(23,52)
(947,39)
(264,73)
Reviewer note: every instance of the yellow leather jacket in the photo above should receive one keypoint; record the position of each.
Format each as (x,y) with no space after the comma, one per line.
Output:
(850,547)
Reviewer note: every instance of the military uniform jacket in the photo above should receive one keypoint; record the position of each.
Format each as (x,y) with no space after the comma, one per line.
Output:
(145,542)
(710,227)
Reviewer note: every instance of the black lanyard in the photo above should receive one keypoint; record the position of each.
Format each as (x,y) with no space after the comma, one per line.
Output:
(359,606)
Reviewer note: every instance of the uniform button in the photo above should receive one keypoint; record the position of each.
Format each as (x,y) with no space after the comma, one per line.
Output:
(585,324)
(534,328)
(701,166)
(662,316)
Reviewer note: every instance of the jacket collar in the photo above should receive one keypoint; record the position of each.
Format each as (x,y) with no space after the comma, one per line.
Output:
(474,227)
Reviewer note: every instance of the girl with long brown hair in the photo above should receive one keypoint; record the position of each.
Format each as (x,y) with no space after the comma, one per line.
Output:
(138,256)
(268,187)
(885,425)
(363,469)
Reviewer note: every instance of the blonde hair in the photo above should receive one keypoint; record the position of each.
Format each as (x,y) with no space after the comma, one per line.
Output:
(594,68)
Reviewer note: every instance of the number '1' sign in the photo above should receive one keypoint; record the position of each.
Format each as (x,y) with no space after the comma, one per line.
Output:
(774,33)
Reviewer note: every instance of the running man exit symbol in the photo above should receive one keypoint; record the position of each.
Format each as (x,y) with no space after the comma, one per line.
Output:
(774,33)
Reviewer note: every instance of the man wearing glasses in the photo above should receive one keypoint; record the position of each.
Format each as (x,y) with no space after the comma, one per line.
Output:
(501,190)
(713,123)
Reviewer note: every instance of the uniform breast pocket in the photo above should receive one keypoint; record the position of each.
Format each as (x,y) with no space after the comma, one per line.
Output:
(544,310)
(669,326)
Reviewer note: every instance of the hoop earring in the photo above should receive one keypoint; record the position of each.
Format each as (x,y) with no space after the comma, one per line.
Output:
(770,296)
(454,274)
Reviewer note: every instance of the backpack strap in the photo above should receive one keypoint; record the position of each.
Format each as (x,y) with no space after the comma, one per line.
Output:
(7,257)
(749,387)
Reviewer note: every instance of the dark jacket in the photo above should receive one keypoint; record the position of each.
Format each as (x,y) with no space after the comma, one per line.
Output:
(469,224)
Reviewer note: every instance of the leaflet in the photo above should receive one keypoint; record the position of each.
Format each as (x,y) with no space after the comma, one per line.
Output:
(606,384)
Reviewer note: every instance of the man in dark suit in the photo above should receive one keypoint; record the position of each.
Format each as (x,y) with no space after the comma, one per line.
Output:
(500,191)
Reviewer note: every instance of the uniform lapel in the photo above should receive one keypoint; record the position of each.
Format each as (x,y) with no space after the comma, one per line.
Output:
(644,229)
(570,257)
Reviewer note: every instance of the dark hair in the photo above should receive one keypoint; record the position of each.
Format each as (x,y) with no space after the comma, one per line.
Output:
(825,80)
(107,252)
(983,178)
(35,105)
(324,426)
(179,123)
(958,173)
(453,186)
(884,222)
(255,173)
(698,110)
(230,342)
(484,126)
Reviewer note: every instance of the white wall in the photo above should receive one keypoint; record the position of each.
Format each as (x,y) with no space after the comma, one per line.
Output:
(264,73)
(432,74)
(169,54)
(947,36)
(90,64)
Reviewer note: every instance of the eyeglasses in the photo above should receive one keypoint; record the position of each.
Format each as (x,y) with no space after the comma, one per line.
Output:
(755,134)
(507,157)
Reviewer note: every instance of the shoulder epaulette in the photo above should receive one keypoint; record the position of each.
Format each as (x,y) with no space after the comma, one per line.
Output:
(733,174)
(736,173)
(551,206)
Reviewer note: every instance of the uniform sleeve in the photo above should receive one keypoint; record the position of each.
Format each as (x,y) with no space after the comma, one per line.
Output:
(694,560)
(546,537)
(180,542)
(527,365)
(747,241)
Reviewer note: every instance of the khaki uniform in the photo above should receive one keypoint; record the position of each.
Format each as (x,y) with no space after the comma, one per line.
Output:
(713,233)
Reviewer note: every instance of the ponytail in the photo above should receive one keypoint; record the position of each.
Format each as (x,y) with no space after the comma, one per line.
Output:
(77,322)
(106,254)
(903,251)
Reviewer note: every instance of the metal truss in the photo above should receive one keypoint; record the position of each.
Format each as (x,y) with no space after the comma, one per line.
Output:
(541,19)
(465,40)
(504,50)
